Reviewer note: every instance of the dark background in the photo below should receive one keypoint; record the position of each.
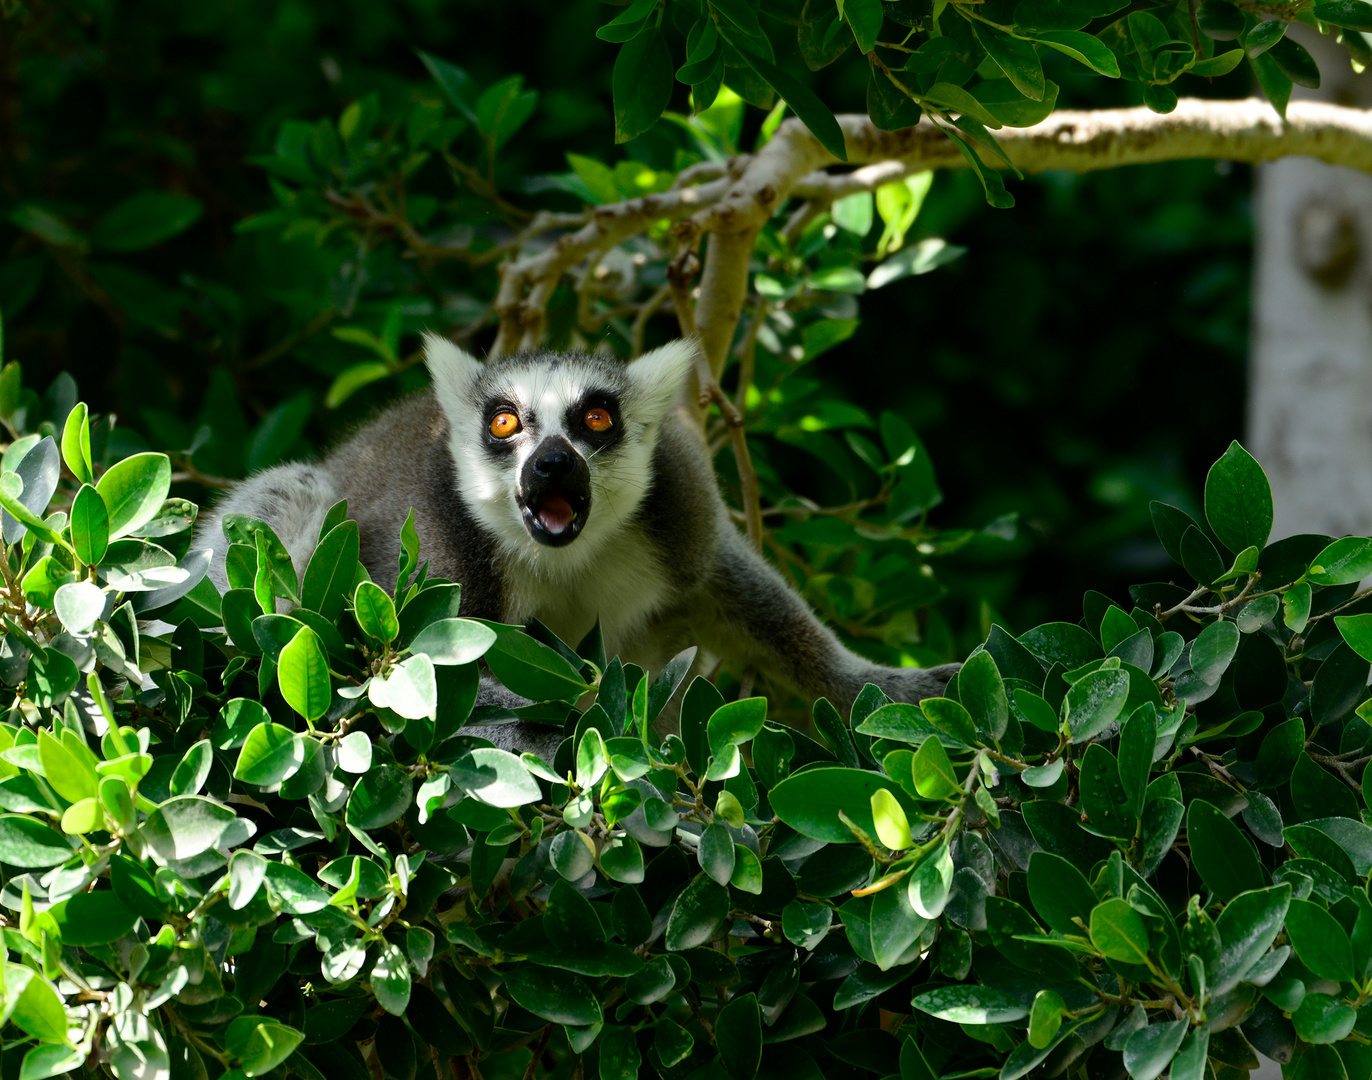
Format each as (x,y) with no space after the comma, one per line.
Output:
(1084,357)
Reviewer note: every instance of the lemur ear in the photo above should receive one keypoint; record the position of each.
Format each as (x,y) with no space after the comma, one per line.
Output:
(453,372)
(656,378)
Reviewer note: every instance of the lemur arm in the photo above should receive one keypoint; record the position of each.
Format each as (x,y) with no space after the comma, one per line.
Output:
(760,620)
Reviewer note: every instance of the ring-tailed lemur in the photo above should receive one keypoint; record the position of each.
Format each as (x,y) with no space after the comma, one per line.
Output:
(566,488)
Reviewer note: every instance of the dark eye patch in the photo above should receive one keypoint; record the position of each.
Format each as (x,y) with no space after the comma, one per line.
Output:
(493,408)
(576,420)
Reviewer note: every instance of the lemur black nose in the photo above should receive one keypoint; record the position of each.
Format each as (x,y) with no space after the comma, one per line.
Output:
(553,464)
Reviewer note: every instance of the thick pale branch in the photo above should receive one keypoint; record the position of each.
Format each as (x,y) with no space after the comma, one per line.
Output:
(1248,131)
(527,284)
(727,211)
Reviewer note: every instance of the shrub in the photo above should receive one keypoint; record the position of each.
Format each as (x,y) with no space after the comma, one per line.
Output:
(243,842)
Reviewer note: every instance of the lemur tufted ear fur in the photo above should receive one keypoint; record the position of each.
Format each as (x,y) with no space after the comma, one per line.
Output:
(453,372)
(656,378)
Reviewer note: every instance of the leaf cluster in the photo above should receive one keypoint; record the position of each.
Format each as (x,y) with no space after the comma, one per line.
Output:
(972,68)
(253,834)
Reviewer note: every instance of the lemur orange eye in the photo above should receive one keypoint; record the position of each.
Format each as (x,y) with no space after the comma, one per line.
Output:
(505,424)
(598,420)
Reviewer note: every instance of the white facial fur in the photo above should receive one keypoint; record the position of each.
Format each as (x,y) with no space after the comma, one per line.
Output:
(647,388)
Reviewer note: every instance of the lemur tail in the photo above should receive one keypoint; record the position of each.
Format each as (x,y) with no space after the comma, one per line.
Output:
(292,499)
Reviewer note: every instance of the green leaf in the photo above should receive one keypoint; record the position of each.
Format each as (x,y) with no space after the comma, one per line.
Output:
(331,571)
(184,827)
(1276,87)
(1095,702)
(1218,65)
(375,612)
(133,490)
(1118,931)
(352,379)
(504,107)
(259,1044)
(1319,1062)
(951,98)
(1355,629)
(303,675)
(1016,57)
(572,855)
(1350,14)
(93,918)
(1150,1050)
(810,801)
(892,826)
(409,689)
(193,769)
(1238,500)
(619,1056)
(864,18)
(803,101)
(380,797)
(933,773)
(455,83)
(1321,1018)
(1061,643)
(982,692)
(1034,709)
(747,876)
(554,995)
(495,777)
(78,604)
(699,914)
(1045,1018)
(621,859)
(738,1029)
(27,842)
(145,220)
(33,1005)
(454,641)
(1138,739)
(931,881)
(927,255)
(628,22)
(641,83)
(1103,798)
(1295,62)
(1083,48)
(1319,940)
(270,755)
(1247,927)
(1220,852)
(531,669)
(951,719)
(970,1005)
(76,444)
(735,723)
(391,979)
(1343,562)
(90,526)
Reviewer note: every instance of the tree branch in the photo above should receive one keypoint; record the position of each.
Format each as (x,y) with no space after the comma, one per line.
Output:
(728,211)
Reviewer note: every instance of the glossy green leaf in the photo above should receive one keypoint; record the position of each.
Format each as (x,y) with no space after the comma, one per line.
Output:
(133,491)
(303,675)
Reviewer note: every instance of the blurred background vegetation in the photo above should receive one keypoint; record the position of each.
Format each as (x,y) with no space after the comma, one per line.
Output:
(1084,357)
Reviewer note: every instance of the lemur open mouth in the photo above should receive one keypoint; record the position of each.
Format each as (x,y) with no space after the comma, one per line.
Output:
(556,517)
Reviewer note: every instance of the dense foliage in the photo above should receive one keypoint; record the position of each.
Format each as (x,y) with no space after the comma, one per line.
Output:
(973,67)
(244,841)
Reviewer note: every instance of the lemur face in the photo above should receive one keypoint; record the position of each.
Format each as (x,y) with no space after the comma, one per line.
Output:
(555,451)
(558,433)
